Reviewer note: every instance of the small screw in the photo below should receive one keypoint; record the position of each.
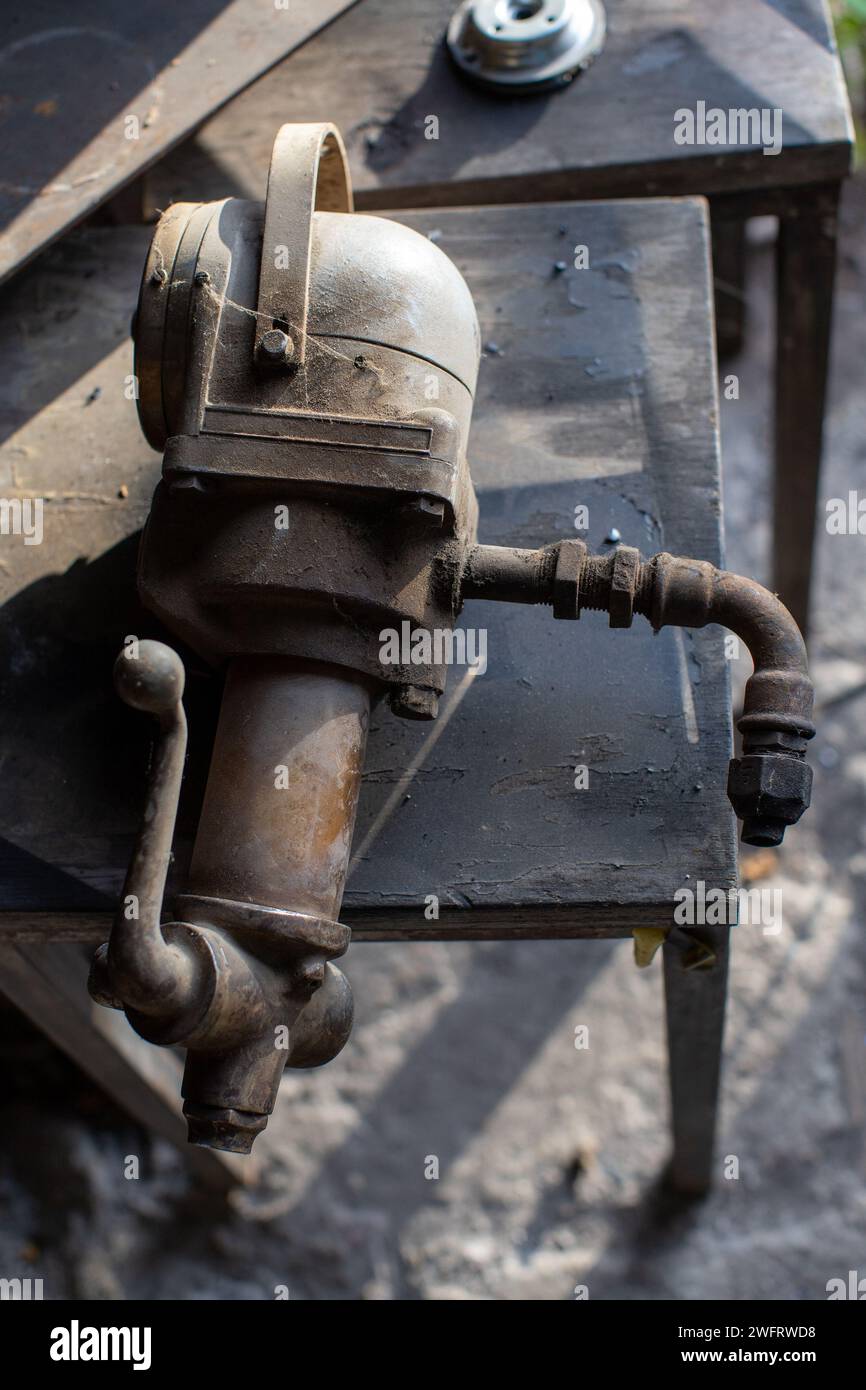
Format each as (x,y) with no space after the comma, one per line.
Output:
(560,267)
(360,362)
(158,276)
(201,277)
(613,537)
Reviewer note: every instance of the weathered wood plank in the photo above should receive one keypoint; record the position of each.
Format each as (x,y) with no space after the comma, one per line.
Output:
(91,97)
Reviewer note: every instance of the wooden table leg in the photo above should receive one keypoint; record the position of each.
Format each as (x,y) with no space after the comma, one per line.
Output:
(729,280)
(695,1005)
(806,262)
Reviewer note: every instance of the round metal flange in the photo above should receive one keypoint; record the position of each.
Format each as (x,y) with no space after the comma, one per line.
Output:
(150,318)
(524,46)
(174,273)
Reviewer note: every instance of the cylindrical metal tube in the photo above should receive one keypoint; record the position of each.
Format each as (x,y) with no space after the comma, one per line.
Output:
(279,808)
(508,575)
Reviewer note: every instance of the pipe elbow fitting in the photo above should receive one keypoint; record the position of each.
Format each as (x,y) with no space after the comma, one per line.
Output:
(770,786)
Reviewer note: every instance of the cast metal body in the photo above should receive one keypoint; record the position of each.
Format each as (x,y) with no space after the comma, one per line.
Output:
(309,374)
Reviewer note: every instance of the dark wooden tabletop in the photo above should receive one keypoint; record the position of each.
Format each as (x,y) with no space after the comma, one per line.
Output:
(597,388)
(381,70)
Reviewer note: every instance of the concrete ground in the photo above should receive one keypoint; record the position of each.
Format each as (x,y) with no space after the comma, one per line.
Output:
(548,1157)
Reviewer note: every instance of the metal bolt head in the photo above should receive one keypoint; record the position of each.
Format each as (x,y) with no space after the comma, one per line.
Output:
(422,514)
(768,791)
(276,346)
(219,1127)
(623,583)
(414,702)
(566,580)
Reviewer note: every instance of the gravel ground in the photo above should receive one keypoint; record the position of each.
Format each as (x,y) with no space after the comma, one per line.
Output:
(548,1157)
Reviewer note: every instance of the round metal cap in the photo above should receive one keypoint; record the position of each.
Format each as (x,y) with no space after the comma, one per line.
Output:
(524,46)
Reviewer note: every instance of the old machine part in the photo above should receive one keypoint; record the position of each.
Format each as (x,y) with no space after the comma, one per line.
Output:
(313,495)
(518,47)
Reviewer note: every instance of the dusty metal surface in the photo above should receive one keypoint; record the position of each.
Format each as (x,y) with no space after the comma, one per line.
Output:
(154,72)
(279,808)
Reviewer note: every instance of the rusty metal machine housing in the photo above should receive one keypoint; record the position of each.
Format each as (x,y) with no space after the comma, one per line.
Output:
(309,374)
(299,357)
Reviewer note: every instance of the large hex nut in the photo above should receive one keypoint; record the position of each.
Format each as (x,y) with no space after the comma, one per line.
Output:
(566,579)
(414,702)
(623,583)
(770,786)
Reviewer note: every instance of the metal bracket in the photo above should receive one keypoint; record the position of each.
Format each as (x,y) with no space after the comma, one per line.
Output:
(309,173)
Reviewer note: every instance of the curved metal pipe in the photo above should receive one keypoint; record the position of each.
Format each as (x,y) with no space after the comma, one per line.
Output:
(693,593)
(760,619)
(770,786)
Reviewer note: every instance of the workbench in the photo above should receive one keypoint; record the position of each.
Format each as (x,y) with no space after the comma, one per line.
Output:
(597,390)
